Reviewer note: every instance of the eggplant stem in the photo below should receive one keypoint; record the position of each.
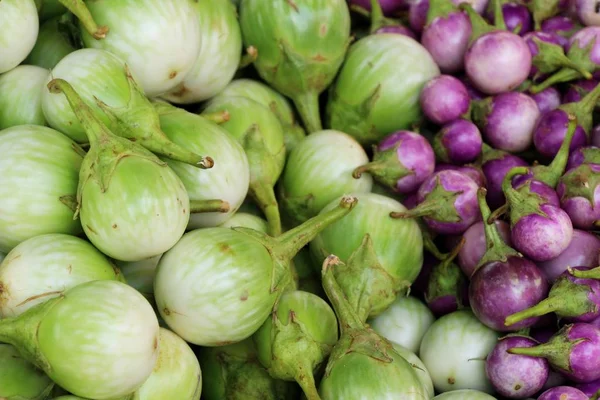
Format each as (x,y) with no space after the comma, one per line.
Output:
(564,75)
(497,213)
(80,10)
(264,196)
(206,206)
(545,306)
(307,105)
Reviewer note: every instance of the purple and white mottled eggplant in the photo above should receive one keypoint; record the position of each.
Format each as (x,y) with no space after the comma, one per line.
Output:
(516,376)
(547,100)
(475,247)
(447,203)
(507,120)
(578,89)
(402,162)
(583,155)
(447,286)
(444,99)
(590,388)
(446,35)
(495,166)
(570,298)
(389,7)
(517,18)
(574,351)
(504,282)
(417,15)
(587,12)
(584,250)
(579,191)
(459,142)
(563,26)
(472,171)
(497,61)
(563,393)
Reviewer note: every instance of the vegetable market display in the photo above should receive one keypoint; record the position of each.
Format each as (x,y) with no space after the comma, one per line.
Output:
(305,199)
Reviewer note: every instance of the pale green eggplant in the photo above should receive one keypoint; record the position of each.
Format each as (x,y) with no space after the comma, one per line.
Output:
(44,266)
(20,26)
(54,42)
(301,45)
(40,172)
(221,44)
(132,206)
(19,379)
(247,220)
(21,96)
(140,275)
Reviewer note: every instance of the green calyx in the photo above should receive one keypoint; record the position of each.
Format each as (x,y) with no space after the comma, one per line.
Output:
(521,203)
(480,26)
(428,243)
(19,379)
(106,149)
(497,249)
(479,111)
(591,155)
(557,350)
(542,10)
(139,121)
(440,9)
(355,337)
(385,168)
(438,205)
(551,174)
(566,299)
(80,10)
(577,64)
(583,109)
(551,57)
(491,154)
(593,273)
(581,182)
(447,278)
(378,20)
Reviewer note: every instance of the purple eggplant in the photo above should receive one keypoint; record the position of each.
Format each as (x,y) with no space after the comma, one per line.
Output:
(590,388)
(563,393)
(475,244)
(504,282)
(583,155)
(496,61)
(446,35)
(563,26)
(517,18)
(507,120)
(447,285)
(458,142)
(578,89)
(447,203)
(588,12)
(417,15)
(419,286)
(401,162)
(539,230)
(470,170)
(571,298)
(579,191)
(495,166)
(444,99)
(551,128)
(547,100)
(389,7)
(574,351)
(584,250)
(381,24)
(515,376)
(474,93)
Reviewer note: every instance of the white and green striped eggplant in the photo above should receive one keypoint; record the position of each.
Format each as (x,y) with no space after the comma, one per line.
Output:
(218,285)
(140,275)
(293,133)
(132,206)
(221,44)
(454,350)
(232,372)
(318,171)
(19,379)
(21,96)
(301,46)
(418,367)
(363,365)
(99,340)
(160,40)
(248,221)
(404,322)
(44,266)
(227,181)
(464,394)
(53,43)
(381,257)
(108,88)
(176,374)
(40,171)
(377,90)
(19,24)
(297,339)
(259,131)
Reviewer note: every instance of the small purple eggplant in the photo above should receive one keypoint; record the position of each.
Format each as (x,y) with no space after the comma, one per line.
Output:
(574,351)
(579,192)
(474,94)
(417,15)
(563,26)
(475,245)
(539,230)
(584,250)
(587,12)
(515,376)
(584,155)
(504,282)
(444,99)
(470,170)
(563,393)
(401,162)
(542,10)
(571,298)
(381,24)
(389,7)
(578,89)
(507,120)
(419,286)
(547,100)
(517,18)
(447,203)
(495,166)
(459,142)
(496,61)
(447,285)
(552,126)
(590,389)
(446,35)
